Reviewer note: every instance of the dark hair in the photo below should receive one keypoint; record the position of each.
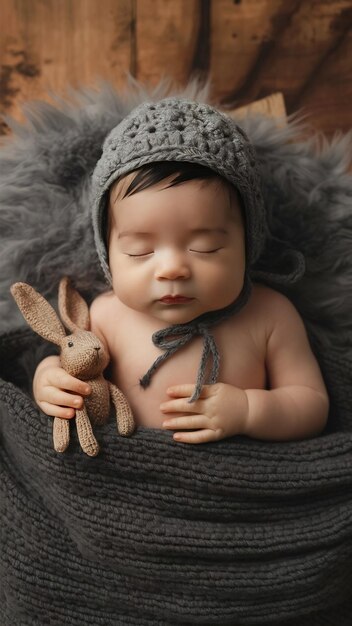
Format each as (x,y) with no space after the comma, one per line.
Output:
(153,173)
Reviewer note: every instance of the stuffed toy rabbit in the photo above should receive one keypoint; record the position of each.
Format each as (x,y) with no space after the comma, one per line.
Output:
(82,355)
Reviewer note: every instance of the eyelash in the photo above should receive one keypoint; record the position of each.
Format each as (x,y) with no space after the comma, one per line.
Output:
(206,251)
(139,255)
(197,251)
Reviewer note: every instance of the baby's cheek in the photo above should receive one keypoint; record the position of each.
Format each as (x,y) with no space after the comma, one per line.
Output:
(226,286)
(130,290)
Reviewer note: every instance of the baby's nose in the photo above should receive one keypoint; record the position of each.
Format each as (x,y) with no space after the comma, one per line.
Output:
(173,267)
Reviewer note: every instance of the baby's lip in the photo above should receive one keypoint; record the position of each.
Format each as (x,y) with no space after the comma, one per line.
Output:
(175,299)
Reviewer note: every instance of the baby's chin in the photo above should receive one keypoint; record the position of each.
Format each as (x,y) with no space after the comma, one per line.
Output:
(170,318)
(178,314)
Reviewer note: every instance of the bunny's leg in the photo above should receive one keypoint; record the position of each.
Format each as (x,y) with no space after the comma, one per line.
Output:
(124,415)
(61,434)
(86,437)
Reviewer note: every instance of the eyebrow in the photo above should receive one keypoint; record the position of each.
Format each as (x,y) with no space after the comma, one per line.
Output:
(193,231)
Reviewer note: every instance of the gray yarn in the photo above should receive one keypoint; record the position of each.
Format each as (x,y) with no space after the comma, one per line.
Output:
(160,339)
(175,129)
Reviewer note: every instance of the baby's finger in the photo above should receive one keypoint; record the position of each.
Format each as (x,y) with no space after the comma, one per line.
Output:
(181,391)
(52,395)
(197,436)
(57,411)
(180,405)
(57,377)
(186,422)
(186,391)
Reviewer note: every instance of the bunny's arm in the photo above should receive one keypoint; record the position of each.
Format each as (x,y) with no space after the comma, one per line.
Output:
(124,415)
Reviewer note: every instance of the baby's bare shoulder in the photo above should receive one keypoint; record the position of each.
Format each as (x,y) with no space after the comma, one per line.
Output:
(272,307)
(268,297)
(102,307)
(102,299)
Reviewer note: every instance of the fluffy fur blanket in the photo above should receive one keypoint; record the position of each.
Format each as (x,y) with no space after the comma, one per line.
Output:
(151,532)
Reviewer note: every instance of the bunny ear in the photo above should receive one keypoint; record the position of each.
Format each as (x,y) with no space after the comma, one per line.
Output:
(73,309)
(39,314)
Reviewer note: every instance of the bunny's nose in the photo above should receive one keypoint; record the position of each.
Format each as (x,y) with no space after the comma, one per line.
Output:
(97,348)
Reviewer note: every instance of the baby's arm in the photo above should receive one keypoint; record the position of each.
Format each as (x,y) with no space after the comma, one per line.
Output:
(297,404)
(295,407)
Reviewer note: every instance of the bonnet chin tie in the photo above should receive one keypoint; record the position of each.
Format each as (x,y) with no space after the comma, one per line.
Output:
(175,337)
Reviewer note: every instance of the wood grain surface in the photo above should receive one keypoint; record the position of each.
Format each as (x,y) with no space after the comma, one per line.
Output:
(248,49)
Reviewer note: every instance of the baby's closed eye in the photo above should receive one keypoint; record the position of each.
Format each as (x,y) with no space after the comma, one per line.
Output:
(206,243)
(139,254)
(202,251)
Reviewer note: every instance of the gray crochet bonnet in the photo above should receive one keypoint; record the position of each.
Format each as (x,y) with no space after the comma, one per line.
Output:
(180,130)
(176,129)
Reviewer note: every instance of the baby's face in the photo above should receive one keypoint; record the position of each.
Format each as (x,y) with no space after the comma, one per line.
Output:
(177,252)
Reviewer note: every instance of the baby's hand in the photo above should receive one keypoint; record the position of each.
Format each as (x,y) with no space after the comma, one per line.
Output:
(56,392)
(221,411)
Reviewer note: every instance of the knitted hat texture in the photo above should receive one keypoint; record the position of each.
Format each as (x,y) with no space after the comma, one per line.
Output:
(175,129)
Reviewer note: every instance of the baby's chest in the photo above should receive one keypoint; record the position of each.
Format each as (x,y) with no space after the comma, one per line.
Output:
(133,353)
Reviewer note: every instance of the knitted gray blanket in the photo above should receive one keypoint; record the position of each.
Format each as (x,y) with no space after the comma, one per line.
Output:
(153,532)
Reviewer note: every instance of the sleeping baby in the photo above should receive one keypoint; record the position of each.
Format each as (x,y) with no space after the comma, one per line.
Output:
(196,344)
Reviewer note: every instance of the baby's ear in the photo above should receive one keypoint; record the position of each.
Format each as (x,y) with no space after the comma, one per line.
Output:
(39,314)
(73,309)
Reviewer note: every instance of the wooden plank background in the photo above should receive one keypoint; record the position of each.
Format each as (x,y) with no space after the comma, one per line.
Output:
(248,48)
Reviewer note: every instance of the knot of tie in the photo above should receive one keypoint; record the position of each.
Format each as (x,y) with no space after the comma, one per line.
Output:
(175,337)
(172,339)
